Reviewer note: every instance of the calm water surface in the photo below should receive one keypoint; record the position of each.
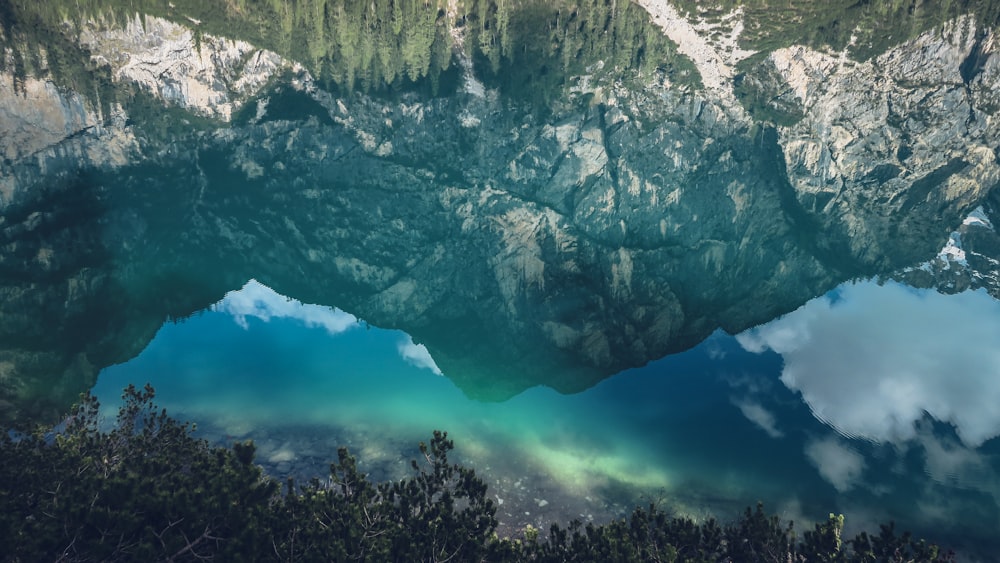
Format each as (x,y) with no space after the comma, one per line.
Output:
(875,400)
(552,179)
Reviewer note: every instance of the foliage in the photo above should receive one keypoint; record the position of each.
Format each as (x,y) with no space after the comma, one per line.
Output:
(148,490)
(143,491)
(521,46)
(528,49)
(865,28)
(32,46)
(533,49)
(439,514)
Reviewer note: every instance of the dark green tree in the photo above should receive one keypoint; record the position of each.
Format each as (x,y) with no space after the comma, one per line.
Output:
(147,490)
(142,491)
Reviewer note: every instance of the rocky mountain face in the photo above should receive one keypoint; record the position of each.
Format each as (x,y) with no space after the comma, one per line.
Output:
(967,261)
(924,135)
(523,243)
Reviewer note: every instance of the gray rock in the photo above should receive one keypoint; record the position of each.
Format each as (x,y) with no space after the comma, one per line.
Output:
(519,250)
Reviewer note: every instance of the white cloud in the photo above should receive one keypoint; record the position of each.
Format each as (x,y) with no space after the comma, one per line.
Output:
(871,362)
(837,464)
(259,301)
(757,414)
(416,354)
(749,384)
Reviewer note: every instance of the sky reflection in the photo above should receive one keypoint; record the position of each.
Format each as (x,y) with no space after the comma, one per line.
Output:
(916,374)
(841,406)
(873,360)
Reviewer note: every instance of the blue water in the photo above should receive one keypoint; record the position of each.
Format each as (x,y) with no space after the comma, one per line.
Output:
(875,401)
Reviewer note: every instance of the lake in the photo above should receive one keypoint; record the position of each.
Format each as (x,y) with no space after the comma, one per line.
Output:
(703,256)
(858,402)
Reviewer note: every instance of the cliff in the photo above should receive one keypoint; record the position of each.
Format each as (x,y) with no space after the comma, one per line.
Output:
(524,241)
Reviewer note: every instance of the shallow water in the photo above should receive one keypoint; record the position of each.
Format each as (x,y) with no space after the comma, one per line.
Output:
(824,426)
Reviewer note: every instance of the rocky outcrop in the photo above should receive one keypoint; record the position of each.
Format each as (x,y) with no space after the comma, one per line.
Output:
(908,129)
(39,116)
(629,222)
(970,260)
(207,75)
(46,131)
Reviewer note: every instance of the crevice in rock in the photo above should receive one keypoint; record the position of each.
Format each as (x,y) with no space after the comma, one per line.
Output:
(974,61)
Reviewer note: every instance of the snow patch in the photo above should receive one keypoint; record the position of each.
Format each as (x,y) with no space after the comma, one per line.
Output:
(953,252)
(978,218)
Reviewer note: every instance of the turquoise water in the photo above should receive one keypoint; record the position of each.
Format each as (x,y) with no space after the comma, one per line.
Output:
(876,401)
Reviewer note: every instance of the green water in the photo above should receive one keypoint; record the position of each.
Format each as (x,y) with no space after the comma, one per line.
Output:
(707,431)
(543,197)
(261,363)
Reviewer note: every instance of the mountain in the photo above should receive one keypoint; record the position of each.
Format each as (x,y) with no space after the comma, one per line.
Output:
(539,193)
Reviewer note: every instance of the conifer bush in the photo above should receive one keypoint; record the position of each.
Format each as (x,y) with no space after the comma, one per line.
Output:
(148,490)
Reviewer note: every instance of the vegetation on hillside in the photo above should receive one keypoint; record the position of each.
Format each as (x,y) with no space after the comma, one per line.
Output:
(530,49)
(865,28)
(524,47)
(147,490)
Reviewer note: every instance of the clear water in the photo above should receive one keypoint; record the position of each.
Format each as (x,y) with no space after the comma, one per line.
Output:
(879,401)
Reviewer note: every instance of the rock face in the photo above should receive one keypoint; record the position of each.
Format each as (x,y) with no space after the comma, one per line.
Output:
(210,77)
(628,222)
(39,116)
(911,128)
(47,132)
(967,261)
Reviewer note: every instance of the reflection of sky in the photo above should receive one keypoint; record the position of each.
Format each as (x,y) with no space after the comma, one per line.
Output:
(912,369)
(283,362)
(873,361)
(256,300)
(711,427)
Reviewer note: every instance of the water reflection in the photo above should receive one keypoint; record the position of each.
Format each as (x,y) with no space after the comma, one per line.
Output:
(909,379)
(709,430)
(263,366)
(627,217)
(871,360)
(258,301)
(578,207)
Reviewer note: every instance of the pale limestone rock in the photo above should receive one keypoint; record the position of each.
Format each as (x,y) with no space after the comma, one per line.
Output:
(873,130)
(621,274)
(39,116)
(211,79)
(714,63)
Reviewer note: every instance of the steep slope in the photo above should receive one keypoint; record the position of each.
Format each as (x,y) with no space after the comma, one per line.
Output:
(625,215)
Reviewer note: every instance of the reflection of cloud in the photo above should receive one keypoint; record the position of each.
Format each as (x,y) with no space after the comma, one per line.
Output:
(948,461)
(875,361)
(837,463)
(757,414)
(747,384)
(714,350)
(257,300)
(417,354)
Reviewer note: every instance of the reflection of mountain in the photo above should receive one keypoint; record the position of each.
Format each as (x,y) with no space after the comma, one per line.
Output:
(968,260)
(522,241)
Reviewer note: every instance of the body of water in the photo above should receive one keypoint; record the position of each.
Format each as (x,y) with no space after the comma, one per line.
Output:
(878,401)
(565,205)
